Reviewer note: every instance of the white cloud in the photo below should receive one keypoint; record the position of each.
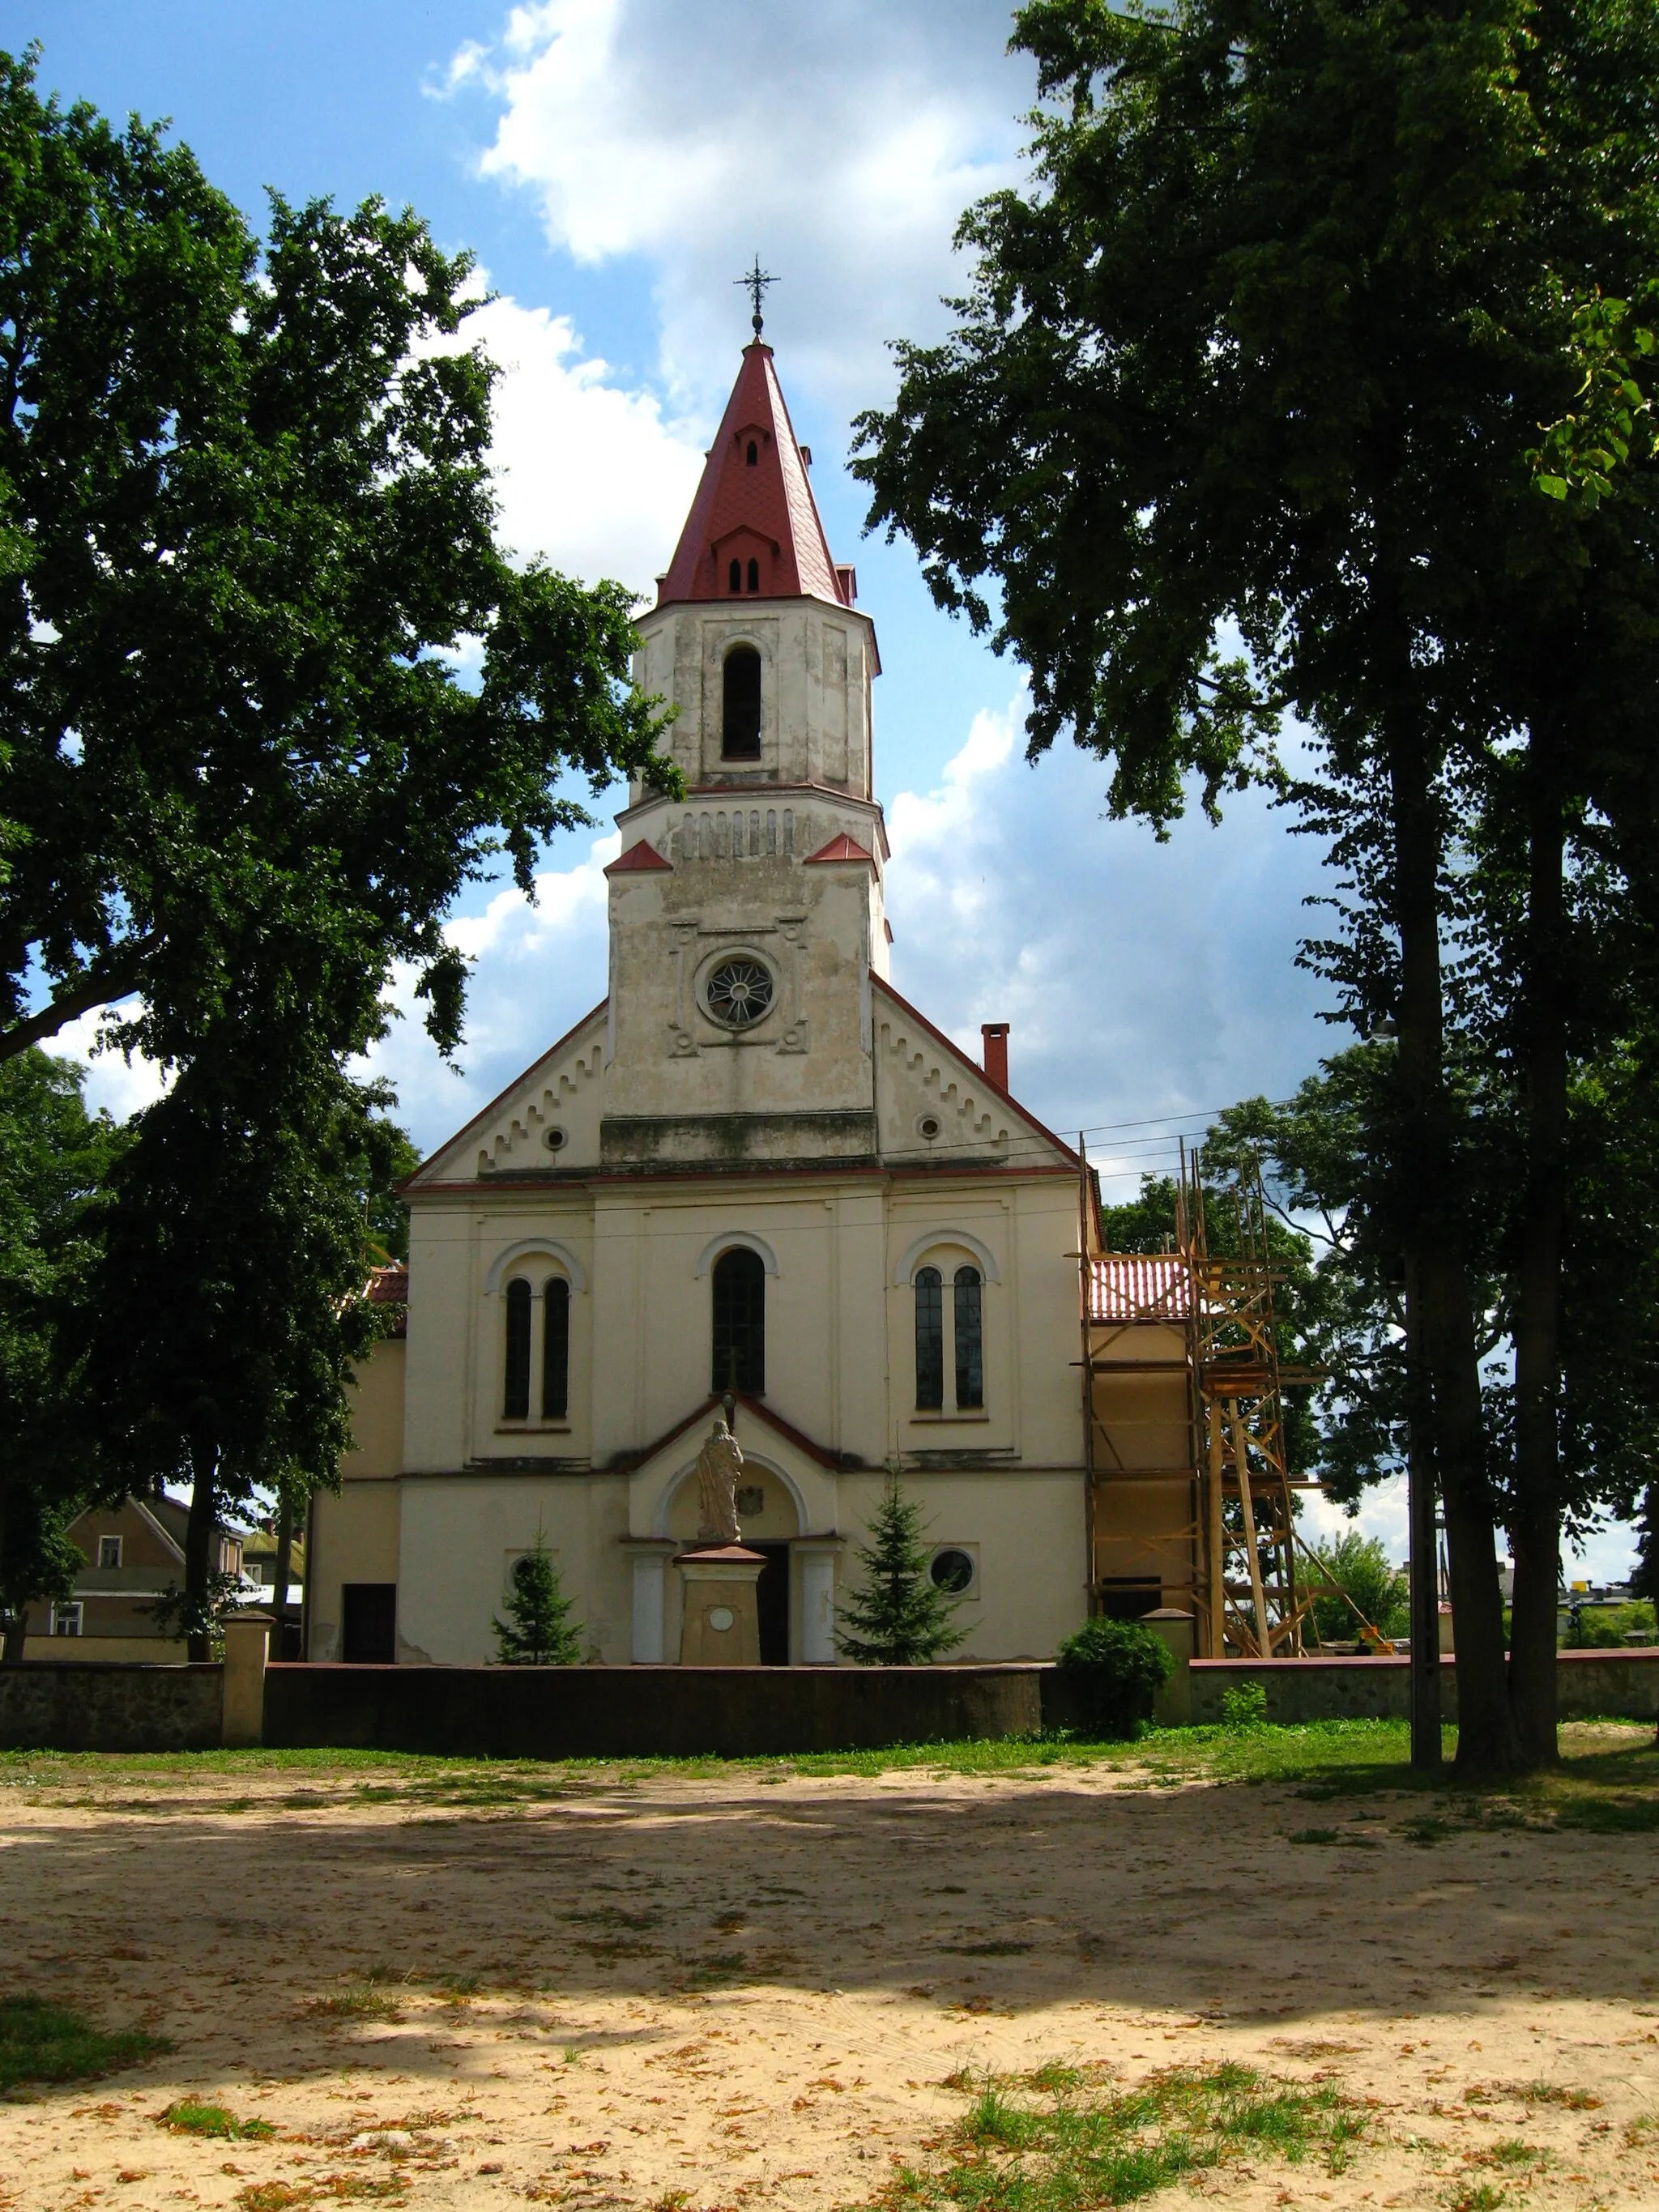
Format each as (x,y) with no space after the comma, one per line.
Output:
(591,477)
(843,141)
(113,1085)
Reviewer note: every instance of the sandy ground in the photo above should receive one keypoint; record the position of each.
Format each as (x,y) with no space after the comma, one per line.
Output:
(749,1991)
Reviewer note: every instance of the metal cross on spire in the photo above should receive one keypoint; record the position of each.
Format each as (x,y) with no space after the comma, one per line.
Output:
(754,284)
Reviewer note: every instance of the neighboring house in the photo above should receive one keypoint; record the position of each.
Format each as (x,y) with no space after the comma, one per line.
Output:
(133,1553)
(753,1168)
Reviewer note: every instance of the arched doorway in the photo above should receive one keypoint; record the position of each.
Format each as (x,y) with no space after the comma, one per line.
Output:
(770,1520)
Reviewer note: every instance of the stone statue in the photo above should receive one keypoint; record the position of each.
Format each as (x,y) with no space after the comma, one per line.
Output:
(719,1465)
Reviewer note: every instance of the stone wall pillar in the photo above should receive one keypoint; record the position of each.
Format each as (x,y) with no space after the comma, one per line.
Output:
(1173,1705)
(650,1643)
(817,1602)
(247,1648)
(721,1622)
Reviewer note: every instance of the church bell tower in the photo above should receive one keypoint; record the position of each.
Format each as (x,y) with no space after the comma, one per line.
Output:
(746,921)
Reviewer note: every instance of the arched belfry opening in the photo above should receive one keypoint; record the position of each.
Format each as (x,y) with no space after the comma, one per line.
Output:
(740,704)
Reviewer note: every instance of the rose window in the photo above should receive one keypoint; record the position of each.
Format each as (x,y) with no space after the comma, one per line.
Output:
(739,993)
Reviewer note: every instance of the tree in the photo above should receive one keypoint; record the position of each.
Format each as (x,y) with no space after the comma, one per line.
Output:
(540,1633)
(1370,1590)
(55,1163)
(226,1313)
(899,1617)
(246,527)
(1262,358)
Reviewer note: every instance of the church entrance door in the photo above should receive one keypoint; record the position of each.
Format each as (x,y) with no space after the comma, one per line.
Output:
(772,1603)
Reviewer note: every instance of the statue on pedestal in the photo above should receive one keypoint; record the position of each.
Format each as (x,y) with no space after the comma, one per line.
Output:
(719,1465)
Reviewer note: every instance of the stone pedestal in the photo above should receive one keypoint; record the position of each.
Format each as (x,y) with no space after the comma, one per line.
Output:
(1173,1705)
(247,1648)
(721,1623)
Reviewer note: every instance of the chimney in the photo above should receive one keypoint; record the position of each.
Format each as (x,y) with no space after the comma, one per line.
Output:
(995,1057)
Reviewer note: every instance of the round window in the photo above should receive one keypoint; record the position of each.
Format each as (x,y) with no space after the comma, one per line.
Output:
(953,1570)
(739,993)
(555,1140)
(928,1126)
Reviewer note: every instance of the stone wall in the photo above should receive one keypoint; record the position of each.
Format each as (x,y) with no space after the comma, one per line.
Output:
(1592,1684)
(109,1706)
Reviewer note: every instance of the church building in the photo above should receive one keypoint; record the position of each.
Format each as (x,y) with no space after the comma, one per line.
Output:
(753,1171)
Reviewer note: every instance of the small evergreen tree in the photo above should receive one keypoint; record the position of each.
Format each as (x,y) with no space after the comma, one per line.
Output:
(541,1632)
(899,1618)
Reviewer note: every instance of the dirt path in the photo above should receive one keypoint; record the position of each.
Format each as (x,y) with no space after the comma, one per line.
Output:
(752,1990)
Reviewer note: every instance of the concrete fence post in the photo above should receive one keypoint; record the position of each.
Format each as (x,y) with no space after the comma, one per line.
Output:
(1173,1706)
(247,1648)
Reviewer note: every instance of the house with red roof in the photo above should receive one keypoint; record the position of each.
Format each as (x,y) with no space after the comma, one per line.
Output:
(753,1176)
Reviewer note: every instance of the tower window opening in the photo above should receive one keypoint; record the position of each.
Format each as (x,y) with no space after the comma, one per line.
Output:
(515,1396)
(930,1340)
(740,719)
(739,1283)
(754,575)
(734,576)
(753,454)
(555,1349)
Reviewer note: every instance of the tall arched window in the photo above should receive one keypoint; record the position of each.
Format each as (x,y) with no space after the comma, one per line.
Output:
(754,454)
(930,1340)
(970,1357)
(740,1321)
(515,1396)
(754,575)
(740,717)
(555,1349)
(734,577)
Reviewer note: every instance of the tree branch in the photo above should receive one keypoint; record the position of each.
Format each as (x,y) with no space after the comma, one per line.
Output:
(111,976)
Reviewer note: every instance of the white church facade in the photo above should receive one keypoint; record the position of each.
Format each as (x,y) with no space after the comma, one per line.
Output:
(753,1170)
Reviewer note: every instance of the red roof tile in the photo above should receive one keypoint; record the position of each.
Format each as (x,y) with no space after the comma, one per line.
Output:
(641,858)
(841,848)
(761,510)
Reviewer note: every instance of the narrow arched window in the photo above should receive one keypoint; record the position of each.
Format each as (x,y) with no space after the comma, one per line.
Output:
(970,1357)
(930,1340)
(754,575)
(740,1321)
(555,1349)
(753,454)
(516,1397)
(740,719)
(734,577)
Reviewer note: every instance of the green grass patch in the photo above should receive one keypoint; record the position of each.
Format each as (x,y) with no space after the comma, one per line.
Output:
(191,2116)
(1064,2138)
(43,2042)
(363,2000)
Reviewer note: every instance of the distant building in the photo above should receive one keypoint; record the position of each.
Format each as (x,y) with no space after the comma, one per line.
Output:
(133,1553)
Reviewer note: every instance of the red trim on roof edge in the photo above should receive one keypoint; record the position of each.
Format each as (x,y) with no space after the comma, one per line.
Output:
(628,1460)
(467,1128)
(840,847)
(638,860)
(996,1089)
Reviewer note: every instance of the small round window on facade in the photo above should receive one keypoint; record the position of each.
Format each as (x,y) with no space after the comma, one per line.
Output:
(555,1138)
(928,1126)
(953,1570)
(739,993)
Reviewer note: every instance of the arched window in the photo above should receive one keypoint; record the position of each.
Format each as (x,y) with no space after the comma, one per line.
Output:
(515,1396)
(753,456)
(740,1321)
(555,1349)
(754,575)
(740,719)
(734,577)
(970,1357)
(930,1340)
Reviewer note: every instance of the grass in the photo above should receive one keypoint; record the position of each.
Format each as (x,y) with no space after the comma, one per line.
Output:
(365,1999)
(1067,2136)
(1607,1784)
(42,2042)
(191,2116)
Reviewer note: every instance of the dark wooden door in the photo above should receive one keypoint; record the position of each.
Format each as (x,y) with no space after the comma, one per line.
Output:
(772,1604)
(369,1628)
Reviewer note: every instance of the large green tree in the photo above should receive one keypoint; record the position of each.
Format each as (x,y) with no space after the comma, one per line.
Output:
(246,529)
(55,1162)
(1259,362)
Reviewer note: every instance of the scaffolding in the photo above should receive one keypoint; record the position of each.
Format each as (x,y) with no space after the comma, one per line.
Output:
(1189,1487)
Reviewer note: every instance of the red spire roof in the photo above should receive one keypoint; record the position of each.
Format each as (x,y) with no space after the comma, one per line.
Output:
(758,514)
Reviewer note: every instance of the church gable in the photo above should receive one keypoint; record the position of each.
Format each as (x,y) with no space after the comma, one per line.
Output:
(935,1104)
(544,1123)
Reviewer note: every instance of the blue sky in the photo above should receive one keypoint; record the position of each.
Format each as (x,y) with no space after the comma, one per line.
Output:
(613,165)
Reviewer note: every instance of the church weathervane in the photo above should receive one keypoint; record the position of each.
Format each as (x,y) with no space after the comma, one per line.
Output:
(754,284)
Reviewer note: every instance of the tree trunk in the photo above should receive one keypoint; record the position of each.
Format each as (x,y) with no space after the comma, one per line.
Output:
(1424,1614)
(1443,1332)
(199,1562)
(1535,1524)
(284,1564)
